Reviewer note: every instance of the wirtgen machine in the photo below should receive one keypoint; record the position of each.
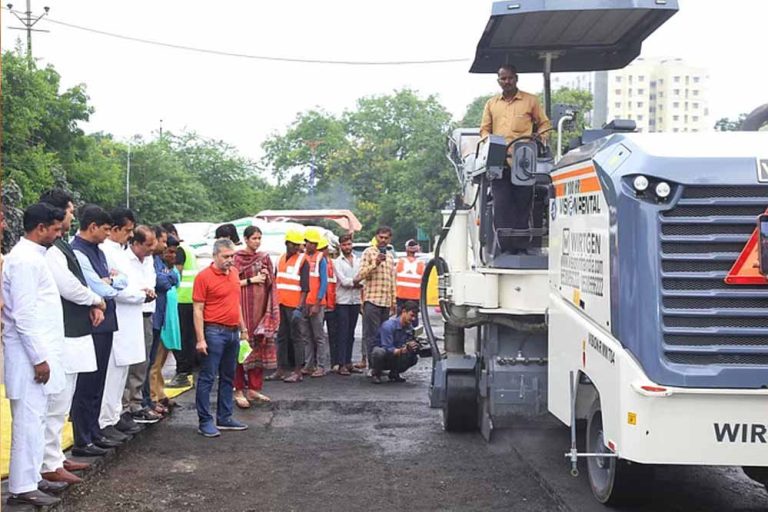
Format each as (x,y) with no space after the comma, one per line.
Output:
(631,299)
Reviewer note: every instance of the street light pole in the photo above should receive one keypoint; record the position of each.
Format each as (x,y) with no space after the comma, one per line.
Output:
(128,179)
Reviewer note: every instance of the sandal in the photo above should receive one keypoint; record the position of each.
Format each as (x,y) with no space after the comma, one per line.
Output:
(320,372)
(240,400)
(293,378)
(362,365)
(278,375)
(344,371)
(307,370)
(257,397)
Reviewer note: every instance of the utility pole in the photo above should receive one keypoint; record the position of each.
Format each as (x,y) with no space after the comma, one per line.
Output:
(28,23)
(128,179)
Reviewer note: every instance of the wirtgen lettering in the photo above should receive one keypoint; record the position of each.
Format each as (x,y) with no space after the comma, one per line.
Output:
(741,433)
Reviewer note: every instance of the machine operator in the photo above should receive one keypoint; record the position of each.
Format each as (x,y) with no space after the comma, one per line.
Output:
(512,114)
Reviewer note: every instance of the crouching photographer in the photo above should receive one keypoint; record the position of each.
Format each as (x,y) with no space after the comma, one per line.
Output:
(396,348)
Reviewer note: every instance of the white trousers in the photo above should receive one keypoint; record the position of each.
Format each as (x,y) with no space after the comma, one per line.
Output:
(112,399)
(27,437)
(55,417)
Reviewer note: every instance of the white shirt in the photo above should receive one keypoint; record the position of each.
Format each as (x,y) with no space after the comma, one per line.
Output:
(78,355)
(346,293)
(150,278)
(33,318)
(128,341)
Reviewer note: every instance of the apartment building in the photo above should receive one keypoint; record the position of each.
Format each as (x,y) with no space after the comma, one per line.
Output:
(660,95)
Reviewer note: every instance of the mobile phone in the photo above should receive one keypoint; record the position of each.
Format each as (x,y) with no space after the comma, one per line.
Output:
(762,243)
(383,250)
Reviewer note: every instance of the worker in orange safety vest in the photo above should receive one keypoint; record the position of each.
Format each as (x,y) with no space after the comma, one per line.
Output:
(409,274)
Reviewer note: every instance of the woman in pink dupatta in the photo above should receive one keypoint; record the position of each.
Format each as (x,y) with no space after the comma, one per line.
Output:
(261,315)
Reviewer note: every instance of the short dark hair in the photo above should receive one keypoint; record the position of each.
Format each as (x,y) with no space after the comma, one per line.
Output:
(92,214)
(159,230)
(227,231)
(172,241)
(410,306)
(508,67)
(170,228)
(41,213)
(383,229)
(57,197)
(140,234)
(345,238)
(250,230)
(121,216)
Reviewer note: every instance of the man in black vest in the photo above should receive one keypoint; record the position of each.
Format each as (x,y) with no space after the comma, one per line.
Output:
(95,225)
(82,309)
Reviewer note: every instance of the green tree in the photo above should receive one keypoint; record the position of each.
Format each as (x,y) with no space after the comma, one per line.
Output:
(230,180)
(582,101)
(161,189)
(474,114)
(40,124)
(384,159)
(725,124)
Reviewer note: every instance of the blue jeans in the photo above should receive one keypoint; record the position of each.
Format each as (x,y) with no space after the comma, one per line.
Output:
(223,346)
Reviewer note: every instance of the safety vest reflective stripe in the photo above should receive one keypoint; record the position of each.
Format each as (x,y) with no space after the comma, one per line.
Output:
(314,278)
(287,281)
(408,278)
(294,287)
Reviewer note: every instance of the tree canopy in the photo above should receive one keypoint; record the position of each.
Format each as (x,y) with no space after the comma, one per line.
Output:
(384,159)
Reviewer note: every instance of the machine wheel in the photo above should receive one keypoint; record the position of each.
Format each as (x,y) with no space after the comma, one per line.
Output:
(460,409)
(613,481)
(757,473)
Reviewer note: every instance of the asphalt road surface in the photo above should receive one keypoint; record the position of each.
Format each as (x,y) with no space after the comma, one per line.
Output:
(342,443)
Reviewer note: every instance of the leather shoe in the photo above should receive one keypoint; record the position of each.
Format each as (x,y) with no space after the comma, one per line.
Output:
(61,475)
(51,487)
(106,443)
(36,498)
(71,465)
(88,451)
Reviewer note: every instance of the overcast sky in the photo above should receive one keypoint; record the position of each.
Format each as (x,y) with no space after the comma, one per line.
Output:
(133,86)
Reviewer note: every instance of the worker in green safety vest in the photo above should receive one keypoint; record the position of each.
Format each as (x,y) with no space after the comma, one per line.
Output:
(186,358)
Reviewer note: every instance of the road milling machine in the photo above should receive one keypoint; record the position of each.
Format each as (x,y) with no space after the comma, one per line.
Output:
(630,306)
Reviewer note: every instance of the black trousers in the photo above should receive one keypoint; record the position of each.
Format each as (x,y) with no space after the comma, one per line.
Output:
(382,360)
(86,403)
(334,341)
(511,209)
(346,316)
(186,358)
(373,317)
(291,340)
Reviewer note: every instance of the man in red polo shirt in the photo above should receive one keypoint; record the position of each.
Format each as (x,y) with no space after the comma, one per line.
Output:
(218,326)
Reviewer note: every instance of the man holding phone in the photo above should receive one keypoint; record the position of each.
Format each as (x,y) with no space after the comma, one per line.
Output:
(377,270)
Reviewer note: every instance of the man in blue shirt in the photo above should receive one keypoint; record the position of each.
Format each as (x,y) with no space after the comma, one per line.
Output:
(396,348)
(166,279)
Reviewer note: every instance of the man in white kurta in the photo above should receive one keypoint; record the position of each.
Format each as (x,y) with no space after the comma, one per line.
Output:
(76,352)
(34,322)
(128,344)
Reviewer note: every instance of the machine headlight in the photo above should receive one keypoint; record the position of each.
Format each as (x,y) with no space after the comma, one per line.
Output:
(640,183)
(663,189)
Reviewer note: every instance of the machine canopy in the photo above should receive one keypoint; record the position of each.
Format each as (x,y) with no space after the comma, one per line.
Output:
(583,35)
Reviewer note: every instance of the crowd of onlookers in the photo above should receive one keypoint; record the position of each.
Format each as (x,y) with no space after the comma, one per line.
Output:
(90,320)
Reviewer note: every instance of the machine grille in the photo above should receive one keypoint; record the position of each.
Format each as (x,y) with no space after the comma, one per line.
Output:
(701,238)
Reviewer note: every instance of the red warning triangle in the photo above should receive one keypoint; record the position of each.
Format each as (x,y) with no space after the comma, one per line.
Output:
(745,270)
